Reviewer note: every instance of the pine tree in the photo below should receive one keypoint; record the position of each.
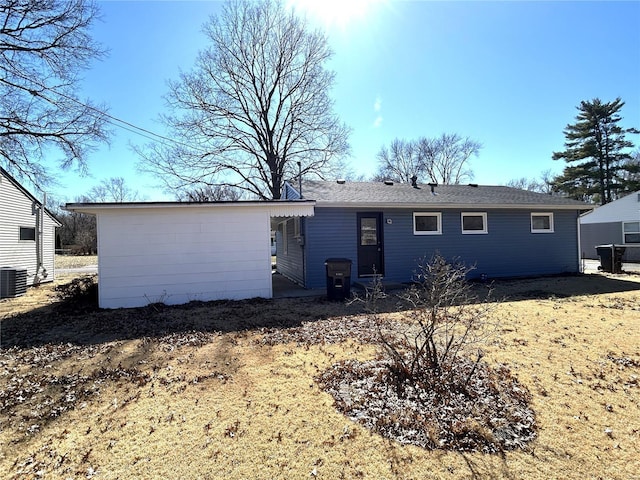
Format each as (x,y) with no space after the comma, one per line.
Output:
(598,151)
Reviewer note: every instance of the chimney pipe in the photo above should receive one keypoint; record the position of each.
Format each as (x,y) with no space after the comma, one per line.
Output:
(300,179)
(433,186)
(414,181)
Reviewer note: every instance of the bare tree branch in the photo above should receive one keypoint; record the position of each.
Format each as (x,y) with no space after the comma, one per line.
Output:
(44,45)
(210,193)
(443,159)
(255,104)
(400,161)
(446,158)
(114,189)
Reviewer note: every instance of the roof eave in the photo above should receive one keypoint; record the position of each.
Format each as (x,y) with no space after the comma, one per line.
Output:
(474,206)
(29,195)
(95,208)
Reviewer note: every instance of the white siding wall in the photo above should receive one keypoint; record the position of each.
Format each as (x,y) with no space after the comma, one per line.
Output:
(16,210)
(176,255)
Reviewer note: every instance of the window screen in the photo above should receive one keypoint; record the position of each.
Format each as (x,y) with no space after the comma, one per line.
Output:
(27,233)
(426,223)
(541,222)
(631,232)
(474,223)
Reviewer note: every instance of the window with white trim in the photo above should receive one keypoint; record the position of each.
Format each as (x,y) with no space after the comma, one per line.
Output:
(427,223)
(631,232)
(474,222)
(541,222)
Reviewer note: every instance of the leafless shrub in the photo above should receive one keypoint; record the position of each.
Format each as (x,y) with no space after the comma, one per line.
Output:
(446,320)
(78,296)
(430,386)
(77,289)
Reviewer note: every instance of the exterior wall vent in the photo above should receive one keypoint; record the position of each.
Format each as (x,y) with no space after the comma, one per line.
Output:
(13,282)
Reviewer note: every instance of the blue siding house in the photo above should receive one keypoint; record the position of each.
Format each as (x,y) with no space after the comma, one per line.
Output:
(386,228)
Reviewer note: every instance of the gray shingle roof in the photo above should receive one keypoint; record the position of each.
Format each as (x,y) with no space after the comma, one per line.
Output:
(399,194)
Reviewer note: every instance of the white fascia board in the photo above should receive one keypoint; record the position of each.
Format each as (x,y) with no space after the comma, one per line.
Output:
(439,206)
(275,209)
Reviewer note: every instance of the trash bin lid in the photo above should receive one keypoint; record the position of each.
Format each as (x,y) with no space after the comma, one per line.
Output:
(337,260)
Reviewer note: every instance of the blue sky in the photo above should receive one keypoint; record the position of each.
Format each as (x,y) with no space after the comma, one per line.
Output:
(507,74)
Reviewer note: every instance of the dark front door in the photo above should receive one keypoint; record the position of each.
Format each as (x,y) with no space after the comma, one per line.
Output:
(370,248)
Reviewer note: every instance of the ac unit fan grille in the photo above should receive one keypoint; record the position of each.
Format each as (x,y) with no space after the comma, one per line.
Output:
(13,282)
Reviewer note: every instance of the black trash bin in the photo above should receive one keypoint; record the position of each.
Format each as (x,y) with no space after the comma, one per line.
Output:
(618,252)
(338,278)
(610,258)
(605,252)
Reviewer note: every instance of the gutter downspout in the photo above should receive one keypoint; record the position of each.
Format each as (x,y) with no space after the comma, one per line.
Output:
(303,224)
(41,272)
(38,235)
(580,260)
(302,231)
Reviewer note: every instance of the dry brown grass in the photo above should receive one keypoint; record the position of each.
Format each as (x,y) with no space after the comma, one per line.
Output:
(75,261)
(223,403)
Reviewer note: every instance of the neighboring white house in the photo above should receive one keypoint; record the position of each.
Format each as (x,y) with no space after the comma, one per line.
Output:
(27,232)
(616,223)
(177,252)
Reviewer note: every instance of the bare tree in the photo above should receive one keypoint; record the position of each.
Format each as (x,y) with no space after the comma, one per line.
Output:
(255,103)
(400,162)
(543,184)
(446,158)
(78,232)
(443,159)
(210,193)
(44,45)
(113,189)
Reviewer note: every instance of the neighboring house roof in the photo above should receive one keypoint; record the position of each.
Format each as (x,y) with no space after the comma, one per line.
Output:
(378,194)
(624,209)
(5,174)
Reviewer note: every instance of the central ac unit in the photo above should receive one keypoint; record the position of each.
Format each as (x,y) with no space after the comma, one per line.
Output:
(13,282)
